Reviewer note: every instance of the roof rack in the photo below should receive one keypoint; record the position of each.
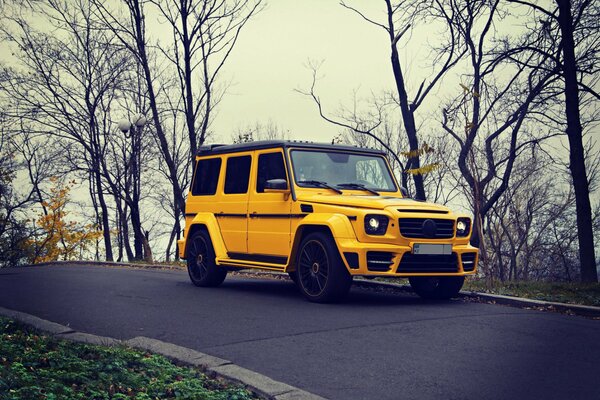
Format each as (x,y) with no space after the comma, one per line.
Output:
(266,144)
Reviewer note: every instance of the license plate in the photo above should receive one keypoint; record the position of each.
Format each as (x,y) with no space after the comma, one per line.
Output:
(426,248)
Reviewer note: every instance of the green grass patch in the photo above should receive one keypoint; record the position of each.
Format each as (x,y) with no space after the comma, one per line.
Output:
(561,292)
(35,366)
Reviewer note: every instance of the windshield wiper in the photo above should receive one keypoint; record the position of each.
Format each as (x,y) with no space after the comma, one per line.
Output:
(358,186)
(321,184)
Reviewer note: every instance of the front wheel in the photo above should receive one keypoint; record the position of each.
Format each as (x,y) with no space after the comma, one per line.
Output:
(437,287)
(321,274)
(202,269)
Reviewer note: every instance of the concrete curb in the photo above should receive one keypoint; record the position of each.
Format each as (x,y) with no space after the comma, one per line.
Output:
(214,367)
(106,264)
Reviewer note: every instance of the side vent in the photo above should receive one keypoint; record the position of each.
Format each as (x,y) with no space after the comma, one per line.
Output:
(380,261)
(468,261)
(307,208)
(352,259)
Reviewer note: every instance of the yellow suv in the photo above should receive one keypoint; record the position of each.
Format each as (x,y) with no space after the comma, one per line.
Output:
(322,213)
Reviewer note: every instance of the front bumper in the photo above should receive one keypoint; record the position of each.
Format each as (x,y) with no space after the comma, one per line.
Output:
(374,259)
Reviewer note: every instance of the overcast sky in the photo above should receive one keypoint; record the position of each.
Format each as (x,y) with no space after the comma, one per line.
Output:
(270,60)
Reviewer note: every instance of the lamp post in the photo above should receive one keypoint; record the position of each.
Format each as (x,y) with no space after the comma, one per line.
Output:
(133,130)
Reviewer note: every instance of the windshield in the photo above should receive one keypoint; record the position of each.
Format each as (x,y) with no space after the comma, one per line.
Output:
(342,170)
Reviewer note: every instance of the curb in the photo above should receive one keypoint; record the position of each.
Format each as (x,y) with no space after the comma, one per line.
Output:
(213,367)
(106,264)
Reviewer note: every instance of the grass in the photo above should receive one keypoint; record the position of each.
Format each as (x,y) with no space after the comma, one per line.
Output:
(35,366)
(561,292)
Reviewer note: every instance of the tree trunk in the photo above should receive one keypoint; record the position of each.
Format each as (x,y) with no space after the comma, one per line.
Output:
(138,233)
(138,17)
(104,214)
(408,116)
(576,151)
(409,124)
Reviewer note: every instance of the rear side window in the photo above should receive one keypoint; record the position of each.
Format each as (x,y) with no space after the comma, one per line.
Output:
(237,175)
(206,177)
(270,166)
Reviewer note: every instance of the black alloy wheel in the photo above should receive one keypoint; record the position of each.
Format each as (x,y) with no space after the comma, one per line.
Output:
(201,261)
(322,276)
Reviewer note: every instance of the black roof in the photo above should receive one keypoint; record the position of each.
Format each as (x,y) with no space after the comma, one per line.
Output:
(267,144)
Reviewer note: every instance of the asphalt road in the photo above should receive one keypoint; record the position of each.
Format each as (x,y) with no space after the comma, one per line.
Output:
(374,346)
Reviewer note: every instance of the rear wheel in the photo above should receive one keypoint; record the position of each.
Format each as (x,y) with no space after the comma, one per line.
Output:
(202,269)
(437,287)
(321,274)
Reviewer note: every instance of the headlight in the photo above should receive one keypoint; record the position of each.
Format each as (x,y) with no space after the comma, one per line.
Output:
(376,224)
(463,227)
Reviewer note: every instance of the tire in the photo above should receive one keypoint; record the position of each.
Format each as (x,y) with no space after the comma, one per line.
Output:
(201,261)
(322,276)
(437,287)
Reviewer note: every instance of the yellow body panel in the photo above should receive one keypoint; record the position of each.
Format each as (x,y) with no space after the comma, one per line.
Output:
(263,230)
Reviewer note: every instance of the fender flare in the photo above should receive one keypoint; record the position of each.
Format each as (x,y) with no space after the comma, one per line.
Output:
(207,221)
(338,225)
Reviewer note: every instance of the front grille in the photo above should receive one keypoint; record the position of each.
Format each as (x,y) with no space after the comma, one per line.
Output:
(468,261)
(380,261)
(428,263)
(413,228)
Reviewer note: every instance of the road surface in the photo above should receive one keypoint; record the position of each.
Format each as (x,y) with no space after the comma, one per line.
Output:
(374,346)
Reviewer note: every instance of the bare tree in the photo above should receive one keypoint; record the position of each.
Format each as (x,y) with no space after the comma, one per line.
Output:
(574,53)
(488,120)
(401,17)
(204,35)
(260,131)
(65,78)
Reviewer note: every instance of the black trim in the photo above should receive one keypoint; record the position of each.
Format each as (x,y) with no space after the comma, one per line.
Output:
(288,167)
(259,258)
(285,144)
(307,208)
(351,217)
(352,259)
(423,211)
(190,214)
(254,215)
(231,215)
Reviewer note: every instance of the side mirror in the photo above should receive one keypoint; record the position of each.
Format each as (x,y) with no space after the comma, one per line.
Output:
(276,185)
(404,191)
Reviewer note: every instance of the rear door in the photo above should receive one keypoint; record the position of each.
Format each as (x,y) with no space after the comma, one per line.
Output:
(232,209)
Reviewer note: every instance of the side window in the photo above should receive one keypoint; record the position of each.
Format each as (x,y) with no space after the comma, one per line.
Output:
(237,175)
(206,177)
(270,166)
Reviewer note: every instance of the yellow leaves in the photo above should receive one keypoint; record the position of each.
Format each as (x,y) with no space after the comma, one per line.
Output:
(60,239)
(425,149)
(424,169)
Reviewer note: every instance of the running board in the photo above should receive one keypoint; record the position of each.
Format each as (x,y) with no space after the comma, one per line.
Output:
(249,264)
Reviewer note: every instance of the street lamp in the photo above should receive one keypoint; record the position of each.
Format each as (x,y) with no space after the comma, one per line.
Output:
(126,126)
(133,130)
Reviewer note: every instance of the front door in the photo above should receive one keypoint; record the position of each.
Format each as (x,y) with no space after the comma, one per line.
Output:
(269,213)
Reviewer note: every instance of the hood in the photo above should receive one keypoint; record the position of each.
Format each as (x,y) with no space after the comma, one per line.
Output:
(373,202)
